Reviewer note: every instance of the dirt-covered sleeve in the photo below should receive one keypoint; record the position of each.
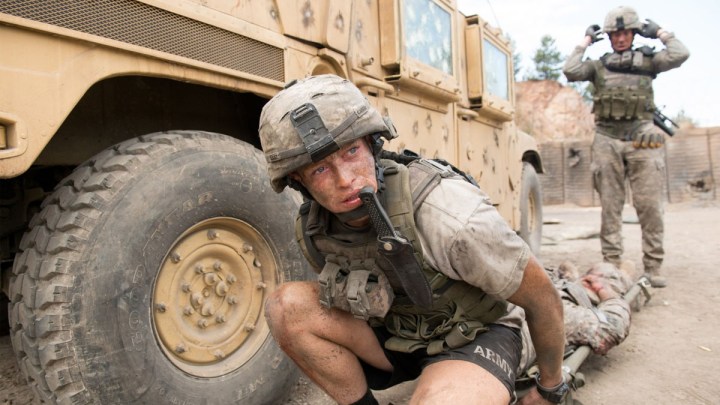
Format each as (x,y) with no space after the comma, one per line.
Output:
(575,69)
(674,54)
(464,237)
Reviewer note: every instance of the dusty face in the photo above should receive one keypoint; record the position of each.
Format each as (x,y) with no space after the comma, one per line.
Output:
(621,40)
(335,182)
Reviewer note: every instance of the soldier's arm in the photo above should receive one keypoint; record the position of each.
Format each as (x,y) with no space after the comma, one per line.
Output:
(575,69)
(674,54)
(544,315)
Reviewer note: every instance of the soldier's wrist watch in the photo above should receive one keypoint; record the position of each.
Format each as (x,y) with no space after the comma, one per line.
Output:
(555,394)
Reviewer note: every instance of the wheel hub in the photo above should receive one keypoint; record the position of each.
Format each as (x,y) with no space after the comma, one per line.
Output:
(209,295)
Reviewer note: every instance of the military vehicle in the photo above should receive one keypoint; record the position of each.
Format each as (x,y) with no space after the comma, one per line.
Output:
(139,234)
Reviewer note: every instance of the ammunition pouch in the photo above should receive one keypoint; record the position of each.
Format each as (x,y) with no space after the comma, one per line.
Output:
(356,286)
(623,103)
(623,86)
(442,329)
(459,314)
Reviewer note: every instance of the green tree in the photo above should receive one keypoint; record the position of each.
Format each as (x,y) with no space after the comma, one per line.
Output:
(547,60)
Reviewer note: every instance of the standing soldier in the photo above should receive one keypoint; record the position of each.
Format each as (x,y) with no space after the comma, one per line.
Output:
(419,276)
(626,142)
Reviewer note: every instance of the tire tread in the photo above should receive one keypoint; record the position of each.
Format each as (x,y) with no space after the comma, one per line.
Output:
(40,323)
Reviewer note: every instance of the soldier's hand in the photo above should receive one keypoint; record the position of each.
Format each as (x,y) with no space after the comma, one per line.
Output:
(648,140)
(594,32)
(650,29)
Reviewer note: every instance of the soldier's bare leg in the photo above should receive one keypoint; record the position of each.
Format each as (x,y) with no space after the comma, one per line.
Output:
(324,343)
(609,181)
(458,382)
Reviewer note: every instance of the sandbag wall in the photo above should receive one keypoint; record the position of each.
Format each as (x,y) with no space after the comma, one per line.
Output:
(692,162)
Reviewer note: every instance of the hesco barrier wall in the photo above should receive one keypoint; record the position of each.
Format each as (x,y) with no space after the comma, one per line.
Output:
(692,161)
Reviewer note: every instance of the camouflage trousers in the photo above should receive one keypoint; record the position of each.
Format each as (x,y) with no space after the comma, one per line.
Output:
(602,328)
(613,160)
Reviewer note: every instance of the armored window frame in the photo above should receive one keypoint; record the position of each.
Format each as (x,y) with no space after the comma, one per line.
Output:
(481,96)
(412,73)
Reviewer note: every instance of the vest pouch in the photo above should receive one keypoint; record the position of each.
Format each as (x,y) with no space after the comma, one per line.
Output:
(357,287)
(618,107)
(368,295)
(478,307)
(632,106)
(437,330)
(605,104)
(331,281)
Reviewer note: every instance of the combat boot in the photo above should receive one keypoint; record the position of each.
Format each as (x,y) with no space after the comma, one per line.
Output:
(656,280)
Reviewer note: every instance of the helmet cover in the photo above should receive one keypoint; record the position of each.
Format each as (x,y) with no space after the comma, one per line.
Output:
(310,119)
(622,18)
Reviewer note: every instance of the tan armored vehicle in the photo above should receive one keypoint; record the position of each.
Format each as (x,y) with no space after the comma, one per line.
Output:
(139,235)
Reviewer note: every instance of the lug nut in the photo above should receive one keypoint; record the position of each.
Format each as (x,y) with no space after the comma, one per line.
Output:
(221,289)
(247,247)
(199,268)
(210,278)
(180,348)
(197,299)
(217,265)
(260,285)
(175,257)
(257,263)
(212,234)
(207,309)
(188,310)
(161,307)
(202,323)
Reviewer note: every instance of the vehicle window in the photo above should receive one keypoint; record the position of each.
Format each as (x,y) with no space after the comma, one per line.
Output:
(428,34)
(496,70)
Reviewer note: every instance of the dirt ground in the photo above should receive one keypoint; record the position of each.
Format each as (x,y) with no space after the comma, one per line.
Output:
(672,355)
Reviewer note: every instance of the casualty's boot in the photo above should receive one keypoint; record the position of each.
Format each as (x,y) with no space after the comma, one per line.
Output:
(656,280)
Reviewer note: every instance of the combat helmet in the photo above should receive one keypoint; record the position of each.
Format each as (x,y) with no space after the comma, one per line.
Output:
(312,118)
(622,18)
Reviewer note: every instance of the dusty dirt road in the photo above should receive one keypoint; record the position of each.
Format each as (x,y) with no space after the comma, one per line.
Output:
(672,355)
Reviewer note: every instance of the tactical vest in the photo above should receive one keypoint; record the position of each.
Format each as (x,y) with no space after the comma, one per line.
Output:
(623,86)
(459,311)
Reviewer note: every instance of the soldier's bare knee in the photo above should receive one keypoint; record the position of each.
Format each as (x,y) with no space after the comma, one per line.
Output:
(289,301)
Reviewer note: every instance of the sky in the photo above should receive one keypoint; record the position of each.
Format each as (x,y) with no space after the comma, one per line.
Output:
(693,88)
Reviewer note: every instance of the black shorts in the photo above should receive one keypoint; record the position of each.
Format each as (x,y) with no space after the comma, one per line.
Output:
(498,351)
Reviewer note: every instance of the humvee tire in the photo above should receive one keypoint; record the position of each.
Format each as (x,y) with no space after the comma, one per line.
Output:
(143,279)
(531,208)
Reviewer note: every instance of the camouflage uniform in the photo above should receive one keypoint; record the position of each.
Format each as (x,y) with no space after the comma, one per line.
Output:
(588,321)
(602,328)
(614,155)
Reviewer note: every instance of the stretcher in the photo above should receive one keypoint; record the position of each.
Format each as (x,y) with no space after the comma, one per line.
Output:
(637,296)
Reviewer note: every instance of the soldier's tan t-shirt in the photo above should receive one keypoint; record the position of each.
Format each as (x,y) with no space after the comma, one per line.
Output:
(464,237)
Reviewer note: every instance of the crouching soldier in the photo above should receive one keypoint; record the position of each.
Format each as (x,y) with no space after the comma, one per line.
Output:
(419,276)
